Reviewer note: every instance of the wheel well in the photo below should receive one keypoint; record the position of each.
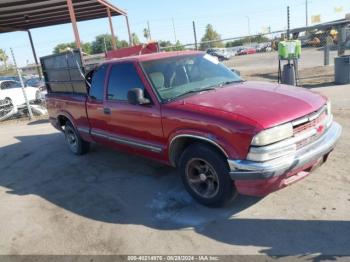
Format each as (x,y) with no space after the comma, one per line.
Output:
(62,120)
(179,145)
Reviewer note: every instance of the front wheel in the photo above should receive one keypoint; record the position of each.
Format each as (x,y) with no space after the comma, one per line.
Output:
(205,175)
(75,143)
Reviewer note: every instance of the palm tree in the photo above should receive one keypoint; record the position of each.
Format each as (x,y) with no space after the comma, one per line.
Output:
(3,57)
(146,34)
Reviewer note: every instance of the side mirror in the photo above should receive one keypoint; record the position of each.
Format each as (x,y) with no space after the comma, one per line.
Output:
(136,97)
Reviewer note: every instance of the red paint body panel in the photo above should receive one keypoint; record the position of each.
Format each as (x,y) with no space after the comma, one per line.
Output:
(231,134)
(71,106)
(264,104)
(229,116)
(134,50)
(267,186)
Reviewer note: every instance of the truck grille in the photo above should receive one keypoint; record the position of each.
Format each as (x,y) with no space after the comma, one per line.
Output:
(311,124)
(314,123)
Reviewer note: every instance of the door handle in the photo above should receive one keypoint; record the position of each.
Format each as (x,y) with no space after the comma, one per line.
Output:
(107,111)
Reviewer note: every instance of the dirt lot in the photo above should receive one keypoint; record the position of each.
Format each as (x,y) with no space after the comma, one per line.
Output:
(264,66)
(106,202)
(310,57)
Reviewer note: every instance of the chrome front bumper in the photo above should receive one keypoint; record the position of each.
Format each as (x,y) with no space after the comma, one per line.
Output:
(245,169)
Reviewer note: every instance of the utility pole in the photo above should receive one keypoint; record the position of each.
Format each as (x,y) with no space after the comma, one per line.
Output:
(172,19)
(34,53)
(248,19)
(149,31)
(307,12)
(195,35)
(22,84)
(288,23)
(105,45)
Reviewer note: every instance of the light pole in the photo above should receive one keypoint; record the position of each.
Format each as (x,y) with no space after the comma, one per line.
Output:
(307,12)
(172,19)
(249,29)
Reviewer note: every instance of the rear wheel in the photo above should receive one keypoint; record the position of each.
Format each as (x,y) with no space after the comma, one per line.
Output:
(205,174)
(75,143)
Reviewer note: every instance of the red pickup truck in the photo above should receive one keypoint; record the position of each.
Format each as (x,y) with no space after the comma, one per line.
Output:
(187,110)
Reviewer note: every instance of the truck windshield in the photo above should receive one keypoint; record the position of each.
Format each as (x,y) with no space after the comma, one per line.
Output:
(177,76)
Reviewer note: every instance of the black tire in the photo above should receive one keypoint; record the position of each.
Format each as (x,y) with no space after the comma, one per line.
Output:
(75,143)
(213,178)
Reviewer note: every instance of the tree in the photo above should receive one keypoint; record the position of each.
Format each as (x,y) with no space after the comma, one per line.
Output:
(211,35)
(3,57)
(103,43)
(253,39)
(86,47)
(164,44)
(135,39)
(168,46)
(234,43)
(146,34)
(122,44)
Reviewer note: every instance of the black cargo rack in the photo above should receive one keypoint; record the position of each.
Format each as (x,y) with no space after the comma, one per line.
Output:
(64,73)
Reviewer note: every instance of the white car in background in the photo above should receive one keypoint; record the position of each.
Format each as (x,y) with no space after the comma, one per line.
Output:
(12,99)
(12,92)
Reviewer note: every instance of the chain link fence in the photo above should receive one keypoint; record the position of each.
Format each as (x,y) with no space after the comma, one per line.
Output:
(256,56)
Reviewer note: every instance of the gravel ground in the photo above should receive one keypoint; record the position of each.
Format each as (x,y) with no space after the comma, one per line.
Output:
(107,202)
(264,67)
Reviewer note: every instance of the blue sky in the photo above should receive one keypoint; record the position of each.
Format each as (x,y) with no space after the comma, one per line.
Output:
(229,18)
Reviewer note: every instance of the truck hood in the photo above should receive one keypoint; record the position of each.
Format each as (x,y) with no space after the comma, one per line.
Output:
(265,104)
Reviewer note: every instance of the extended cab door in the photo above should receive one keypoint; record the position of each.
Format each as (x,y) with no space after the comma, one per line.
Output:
(135,126)
(94,106)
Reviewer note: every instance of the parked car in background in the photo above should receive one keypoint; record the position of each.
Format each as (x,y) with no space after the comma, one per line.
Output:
(40,84)
(35,82)
(14,78)
(263,47)
(12,92)
(219,54)
(232,51)
(12,101)
(187,110)
(246,51)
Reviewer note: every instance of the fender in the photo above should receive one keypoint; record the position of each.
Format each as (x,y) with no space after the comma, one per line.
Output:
(67,115)
(223,146)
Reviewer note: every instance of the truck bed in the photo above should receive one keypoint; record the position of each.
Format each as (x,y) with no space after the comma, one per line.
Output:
(73,106)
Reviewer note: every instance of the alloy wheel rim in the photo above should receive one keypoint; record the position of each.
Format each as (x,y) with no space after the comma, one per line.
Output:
(202,178)
(72,139)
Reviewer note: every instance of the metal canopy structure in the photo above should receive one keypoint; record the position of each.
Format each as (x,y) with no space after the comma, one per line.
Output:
(27,14)
(23,15)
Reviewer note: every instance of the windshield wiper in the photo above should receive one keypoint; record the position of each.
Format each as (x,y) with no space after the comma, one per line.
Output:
(230,82)
(192,92)
(197,91)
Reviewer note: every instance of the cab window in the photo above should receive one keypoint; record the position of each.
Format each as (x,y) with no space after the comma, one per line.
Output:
(122,78)
(98,83)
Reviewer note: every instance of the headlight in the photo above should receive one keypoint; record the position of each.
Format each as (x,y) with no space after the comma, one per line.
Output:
(273,135)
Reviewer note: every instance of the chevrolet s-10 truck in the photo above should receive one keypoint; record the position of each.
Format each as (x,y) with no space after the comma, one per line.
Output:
(185,109)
